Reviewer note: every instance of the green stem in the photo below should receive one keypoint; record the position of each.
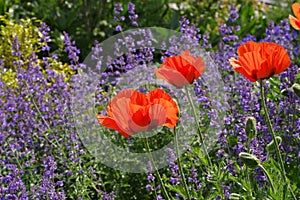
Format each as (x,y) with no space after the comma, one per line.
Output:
(283,173)
(198,125)
(247,170)
(248,180)
(180,166)
(268,177)
(156,170)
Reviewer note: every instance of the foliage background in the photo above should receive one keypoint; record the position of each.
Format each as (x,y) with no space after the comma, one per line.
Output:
(87,20)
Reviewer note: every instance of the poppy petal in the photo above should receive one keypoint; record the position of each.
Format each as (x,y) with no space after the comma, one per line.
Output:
(295,23)
(138,98)
(110,123)
(283,61)
(158,94)
(160,97)
(199,65)
(140,116)
(118,110)
(174,62)
(237,66)
(138,109)
(121,114)
(171,112)
(186,56)
(247,47)
(172,76)
(157,115)
(296,10)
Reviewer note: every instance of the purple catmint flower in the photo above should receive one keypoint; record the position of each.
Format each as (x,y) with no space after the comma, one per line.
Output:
(131,8)
(44,29)
(191,35)
(118,28)
(177,195)
(193,176)
(118,17)
(150,177)
(118,9)
(149,187)
(159,197)
(175,177)
(73,52)
(220,153)
(132,16)
(226,190)
(108,196)
(16,47)
(60,183)
(174,180)
(233,13)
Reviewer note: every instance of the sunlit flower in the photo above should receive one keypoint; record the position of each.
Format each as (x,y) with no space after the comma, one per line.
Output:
(181,70)
(130,112)
(295,21)
(260,60)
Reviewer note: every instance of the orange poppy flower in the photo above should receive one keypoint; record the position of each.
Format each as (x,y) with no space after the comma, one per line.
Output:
(181,70)
(295,21)
(130,112)
(260,60)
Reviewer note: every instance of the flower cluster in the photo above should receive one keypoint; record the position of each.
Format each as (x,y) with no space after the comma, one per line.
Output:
(39,143)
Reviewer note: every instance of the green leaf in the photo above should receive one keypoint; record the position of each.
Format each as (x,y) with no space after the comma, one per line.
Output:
(232,140)
(200,155)
(178,189)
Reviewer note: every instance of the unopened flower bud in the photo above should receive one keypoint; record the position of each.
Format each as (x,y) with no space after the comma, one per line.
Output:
(271,146)
(285,92)
(251,127)
(250,160)
(296,89)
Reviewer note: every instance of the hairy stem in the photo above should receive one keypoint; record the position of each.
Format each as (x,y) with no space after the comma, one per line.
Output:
(198,125)
(156,170)
(180,166)
(282,169)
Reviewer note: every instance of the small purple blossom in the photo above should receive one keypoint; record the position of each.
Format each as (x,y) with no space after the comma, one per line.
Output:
(44,29)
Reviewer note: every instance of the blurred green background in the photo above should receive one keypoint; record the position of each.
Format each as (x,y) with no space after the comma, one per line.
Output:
(90,20)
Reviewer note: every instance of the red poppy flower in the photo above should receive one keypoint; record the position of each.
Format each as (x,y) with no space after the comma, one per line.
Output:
(260,60)
(130,112)
(181,70)
(295,21)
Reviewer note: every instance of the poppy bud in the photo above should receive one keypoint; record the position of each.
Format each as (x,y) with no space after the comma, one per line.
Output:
(271,146)
(296,89)
(285,92)
(251,127)
(250,160)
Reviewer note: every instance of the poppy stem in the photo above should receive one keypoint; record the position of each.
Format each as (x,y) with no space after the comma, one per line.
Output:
(156,170)
(268,177)
(283,173)
(198,125)
(180,166)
